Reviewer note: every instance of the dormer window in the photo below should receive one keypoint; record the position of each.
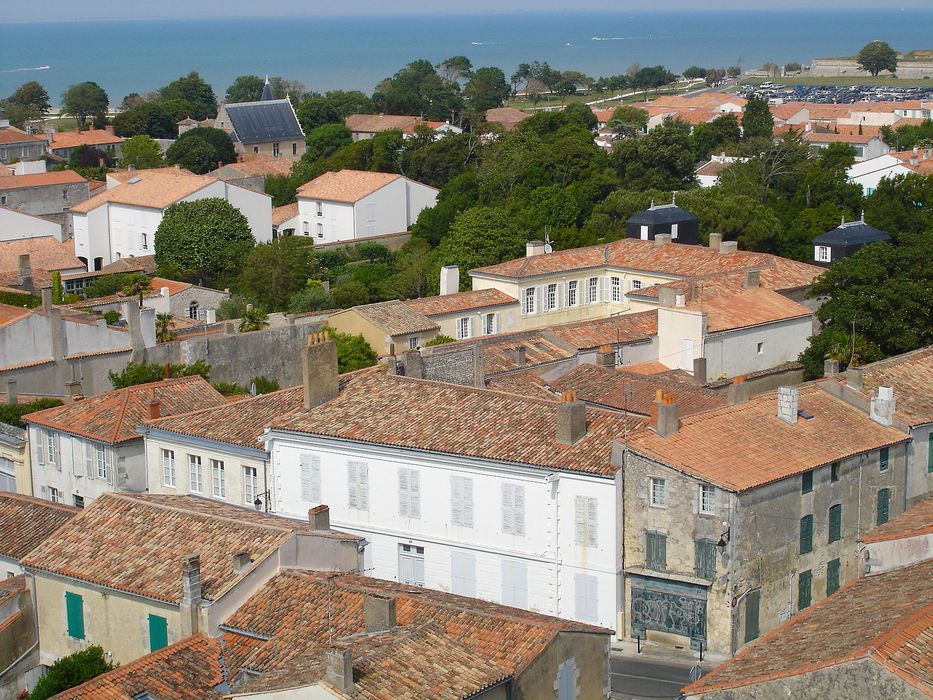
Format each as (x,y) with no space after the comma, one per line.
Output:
(822,253)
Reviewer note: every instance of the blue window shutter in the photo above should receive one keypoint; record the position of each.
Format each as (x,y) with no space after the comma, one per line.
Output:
(832,576)
(74,607)
(158,632)
(884,458)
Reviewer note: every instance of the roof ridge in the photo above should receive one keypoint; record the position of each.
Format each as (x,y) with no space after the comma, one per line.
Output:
(26,498)
(140,498)
(886,642)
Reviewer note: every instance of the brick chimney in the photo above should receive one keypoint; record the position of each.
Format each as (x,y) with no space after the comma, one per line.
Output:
(606,357)
(787,404)
(752,279)
(882,406)
(450,279)
(319,518)
(668,414)
(715,240)
(338,669)
(738,391)
(190,593)
(379,613)
(319,370)
(12,396)
(571,419)
(155,409)
(521,355)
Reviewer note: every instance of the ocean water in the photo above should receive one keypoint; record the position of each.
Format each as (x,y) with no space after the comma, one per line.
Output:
(358,52)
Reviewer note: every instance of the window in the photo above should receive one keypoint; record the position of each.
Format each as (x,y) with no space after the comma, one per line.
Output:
(294,149)
(586,598)
(463,328)
(489,324)
(168,468)
(528,307)
(514,583)
(832,576)
(592,290)
(55,495)
(461,501)
(371,212)
(656,551)
(463,573)
(551,298)
(834,472)
(752,605)
(635,285)
(195,480)
(705,559)
(409,493)
(567,680)
(319,208)
(760,349)
(884,502)
(835,522)
(193,310)
(643,232)
(310,478)
(804,584)
(3,199)
(657,491)
(572,293)
(275,150)
(884,458)
(806,534)
(74,610)
(158,633)
(218,480)
(78,501)
(707,498)
(674,231)
(249,485)
(50,446)
(411,564)
(144,238)
(616,287)
(358,485)
(320,230)
(306,228)
(806,482)
(100,457)
(822,253)
(585,521)
(255,149)
(413,342)
(513,509)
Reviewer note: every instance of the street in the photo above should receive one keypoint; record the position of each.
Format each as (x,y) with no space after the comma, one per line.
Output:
(648,676)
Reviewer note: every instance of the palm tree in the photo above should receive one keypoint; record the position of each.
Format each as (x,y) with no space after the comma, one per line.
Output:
(253,320)
(164,332)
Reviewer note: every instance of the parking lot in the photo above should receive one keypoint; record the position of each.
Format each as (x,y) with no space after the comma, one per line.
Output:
(836,94)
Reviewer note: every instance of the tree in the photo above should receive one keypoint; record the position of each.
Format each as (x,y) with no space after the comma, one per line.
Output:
(904,138)
(253,320)
(456,68)
(194,158)
(714,75)
(695,72)
(418,89)
(135,373)
(660,160)
(29,102)
(141,152)
(877,56)
(325,140)
(70,671)
(758,120)
(12,413)
(189,96)
(107,285)
(628,121)
(245,88)
(651,77)
(83,100)
(89,157)
(584,114)
(205,240)
(902,204)
(317,112)
(353,352)
(348,102)
(149,118)
(274,272)
(710,137)
(439,340)
(486,89)
(734,71)
(350,293)
(481,236)
(164,330)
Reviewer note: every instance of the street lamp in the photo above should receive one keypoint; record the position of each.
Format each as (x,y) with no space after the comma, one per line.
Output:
(259,503)
(724,539)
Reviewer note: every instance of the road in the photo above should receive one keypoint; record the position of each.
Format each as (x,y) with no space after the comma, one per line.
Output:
(635,677)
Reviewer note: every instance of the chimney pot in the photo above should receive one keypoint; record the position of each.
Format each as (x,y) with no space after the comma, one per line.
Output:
(606,357)
(571,419)
(450,279)
(738,391)
(166,370)
(379,613)
(787,404)
(533,248)
(47,299)
(715,240)
(155,409)
(319,518)
(830,368)
(699,369)
(521,355)
(662,239)
(680,300)
(752,279)
(12,395)
(667,296)
(319,370)
(191,580)
(338,669)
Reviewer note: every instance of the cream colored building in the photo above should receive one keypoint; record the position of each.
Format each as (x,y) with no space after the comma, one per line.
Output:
(14,460)
(267,127)
(388,326)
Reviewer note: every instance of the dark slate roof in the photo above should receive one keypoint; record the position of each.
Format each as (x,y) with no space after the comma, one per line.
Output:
(851,233)
(11,435)
(259,122)
(266,92)
(662,214)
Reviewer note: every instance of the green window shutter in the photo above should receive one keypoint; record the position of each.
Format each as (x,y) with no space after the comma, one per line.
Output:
(835,522)
(74,608)
(884,498)
(752,604)
(655,551)
(158,632)
(930,454)
(806,534)
(884,458)
(804,583)
(705,559)
(832,577)
(806,482)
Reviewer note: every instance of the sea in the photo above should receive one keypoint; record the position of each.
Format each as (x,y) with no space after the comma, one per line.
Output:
(355,53)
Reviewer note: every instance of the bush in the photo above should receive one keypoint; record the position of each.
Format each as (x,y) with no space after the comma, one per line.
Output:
(353,352)
(264,385)
(112,317)
(28,301)
(70,671)
(229,309)
(12,413)
(439,340)
(106,285)
(140,373)
(229,389)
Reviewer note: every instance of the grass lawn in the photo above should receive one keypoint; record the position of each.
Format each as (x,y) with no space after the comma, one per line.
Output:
(842,80)
(554,101)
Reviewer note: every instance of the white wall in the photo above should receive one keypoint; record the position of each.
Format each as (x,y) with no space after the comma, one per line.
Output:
(337,219)
(547,549)
(255,206)
(420,197)
(736,352)
(92,235)
(128,226)
(15,225)
(383,211)
(680,337)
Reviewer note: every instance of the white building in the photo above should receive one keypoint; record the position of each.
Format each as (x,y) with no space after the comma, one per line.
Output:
(869,173)
(121,221)
(353,204)
(471,491)
(15,225)
(707,174)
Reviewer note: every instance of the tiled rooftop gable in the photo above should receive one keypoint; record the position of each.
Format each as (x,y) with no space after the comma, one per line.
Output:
(346,185)
(911,376)
(460,301)
(395,317)
(913,522)
(25,522)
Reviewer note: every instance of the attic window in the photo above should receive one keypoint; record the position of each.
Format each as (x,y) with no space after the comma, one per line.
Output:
(806,415)
(241,561)
(133,180)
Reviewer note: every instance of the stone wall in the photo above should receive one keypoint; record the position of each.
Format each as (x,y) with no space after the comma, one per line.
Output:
(835,67)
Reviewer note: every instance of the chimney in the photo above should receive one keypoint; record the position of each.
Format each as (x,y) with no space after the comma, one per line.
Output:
(680,300)
(25,272)
(319,370)
(319,518)
(131,168)
(830,368)
(521,355)
(727,247)
(752,279)
(605,357)
(74,390)
(47,299)
(533,248)
(738,391)
(109,129)
(787,404)
(882,406)
(667,296)
(166,370)
(699,369)
(854,378)
(715,240)
(668,414)
(164,292)
(155,409)
(571,419)
(379,613)
(450,279)
(12,396)
(190,593)
(914,160)
(241,560)
(338,669)
(662,239)
(210,316)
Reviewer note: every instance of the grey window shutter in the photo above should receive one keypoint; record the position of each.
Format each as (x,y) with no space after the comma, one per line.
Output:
(604,288)
(109,462)
(352,500)
(592,523)
(42,445)
(414,494)
(306,478)
(579,520)
(463,573)
(508,515)
(519,510)
(456,500)
(57,443)
(662,551)
(403,494)
(467,502)
(364,487)
(89,454)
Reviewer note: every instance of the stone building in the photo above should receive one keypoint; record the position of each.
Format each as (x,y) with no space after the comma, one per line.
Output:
(50,195)
(17,145)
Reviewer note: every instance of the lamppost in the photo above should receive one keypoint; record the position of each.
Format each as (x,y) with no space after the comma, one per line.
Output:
(260,504)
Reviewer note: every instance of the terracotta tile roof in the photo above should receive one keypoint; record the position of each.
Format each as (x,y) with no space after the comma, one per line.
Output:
(26,522)
(345,186)
(887,618)
(11,134)
(508,117)
(298,613)
(754,447)
(9,313)
(500,354)
(255,167)
(10,587)
(458,420)
(374,123)
(625,328)
(239,423)
(57,177)
(174,286)
(190,668)
(125,175)
(395,317)
(112,417)
(780,276)
(88,137)
(647,368)
(152,190)
(46,254)
(786,110)
(911,376)
(523,384)
(141,263)
(634,393)
(746,308)
(913,522)
(924,164)
(842,137)
(712,168)
(282,214)
(460,301)
(135,543)
(672,259)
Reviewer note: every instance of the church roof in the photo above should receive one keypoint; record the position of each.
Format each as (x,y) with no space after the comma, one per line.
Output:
(264,121)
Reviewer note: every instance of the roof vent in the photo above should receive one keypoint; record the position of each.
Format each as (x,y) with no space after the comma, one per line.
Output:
(133,180)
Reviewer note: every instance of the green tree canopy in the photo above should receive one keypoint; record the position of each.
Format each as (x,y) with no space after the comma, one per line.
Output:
(417,89)
(141,152)
(486,89)
(195,159)
(149,118)
(12,414)
(661,160)
(456,68)
(353,352)
(694,72)
(628,121)
(204,240)
(273,272)
(902,204)
(317,112)
(758,120)
(84,100)
(29,102)
(140,373)
(906,137)
(245,88)
(482,236)
(325,140)
(70,671)
(708,138)
(189,96)
(877,56)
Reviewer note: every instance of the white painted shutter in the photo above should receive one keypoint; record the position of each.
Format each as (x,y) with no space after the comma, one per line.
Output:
(42,445)
(519,510)
(414,494)
(508,515)
(592,522)
(89,455)
(467,502)
(406,569)
(604,288)
(57,445)
(352,485)
(108,460)
(463,573)
(311,478)
(579,517)
(77,461)
(363,486)
(471,330)
(404,494)
(585,590)
(559,296)
(514,583)
(456,500)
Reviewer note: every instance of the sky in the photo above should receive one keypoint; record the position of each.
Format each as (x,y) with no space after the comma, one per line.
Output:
(58,10)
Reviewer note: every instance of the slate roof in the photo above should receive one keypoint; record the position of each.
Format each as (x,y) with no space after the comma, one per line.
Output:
(346,186)
(57,177)
(886,618)
(911,376)
(190,668)
(662,214)
(851,233)
(913,522)
(458,420)
(135,543)
(26,522)
(395,317)
(754,447)
(264,121)
(747,308)
(112,417)
(460,301)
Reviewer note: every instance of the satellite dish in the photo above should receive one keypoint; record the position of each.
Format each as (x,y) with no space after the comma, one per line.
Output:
(548,248)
